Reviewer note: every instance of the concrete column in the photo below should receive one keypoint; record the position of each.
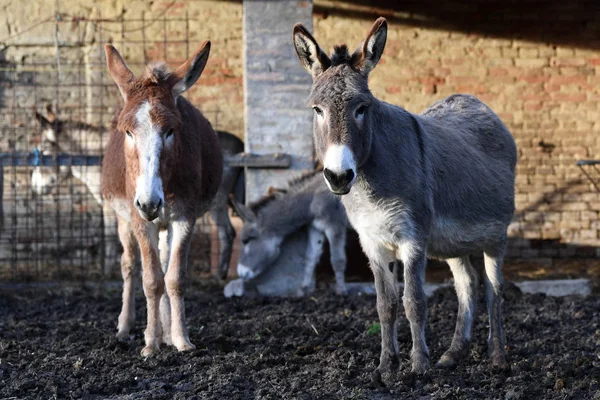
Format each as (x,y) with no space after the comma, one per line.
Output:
(275,91)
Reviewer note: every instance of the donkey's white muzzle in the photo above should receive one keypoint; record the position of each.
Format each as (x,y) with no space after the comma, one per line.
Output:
(339,169)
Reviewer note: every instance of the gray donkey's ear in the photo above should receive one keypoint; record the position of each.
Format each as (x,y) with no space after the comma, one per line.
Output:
(313,59)
(367,56)
(245,213)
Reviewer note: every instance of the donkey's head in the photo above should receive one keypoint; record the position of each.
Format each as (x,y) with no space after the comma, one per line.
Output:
(151,123)
(342,102)
(260,248)
(45,179)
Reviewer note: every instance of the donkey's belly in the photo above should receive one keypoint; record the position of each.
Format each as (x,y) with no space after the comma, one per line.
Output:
(450,238)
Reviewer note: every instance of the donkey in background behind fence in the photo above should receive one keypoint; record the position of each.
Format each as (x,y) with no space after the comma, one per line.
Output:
(439,185)
(76,137)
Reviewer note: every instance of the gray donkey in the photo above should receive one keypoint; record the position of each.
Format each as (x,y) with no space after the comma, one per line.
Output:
(269,221)
(438,185)
(75,137)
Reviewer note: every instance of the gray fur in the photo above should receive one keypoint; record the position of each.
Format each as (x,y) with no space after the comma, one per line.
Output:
(434,185)
(74,137)
(307,203)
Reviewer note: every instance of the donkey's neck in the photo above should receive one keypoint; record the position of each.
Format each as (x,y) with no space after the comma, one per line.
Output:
(292,211)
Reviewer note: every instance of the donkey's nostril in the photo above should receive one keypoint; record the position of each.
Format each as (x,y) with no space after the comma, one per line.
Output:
(330,176)
(349,176)
(137,204)
(339,182)
(160,204)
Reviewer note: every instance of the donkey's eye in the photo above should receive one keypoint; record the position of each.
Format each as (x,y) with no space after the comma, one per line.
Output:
(318,111)
(360,111)
(245,241)
(169,134)
(129,134)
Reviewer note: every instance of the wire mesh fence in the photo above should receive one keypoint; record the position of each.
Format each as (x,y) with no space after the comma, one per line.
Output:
(59,99)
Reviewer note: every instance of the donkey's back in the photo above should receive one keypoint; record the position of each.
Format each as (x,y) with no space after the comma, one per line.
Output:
(472,158)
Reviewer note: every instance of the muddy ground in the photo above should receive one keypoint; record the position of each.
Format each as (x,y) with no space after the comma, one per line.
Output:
(60,344)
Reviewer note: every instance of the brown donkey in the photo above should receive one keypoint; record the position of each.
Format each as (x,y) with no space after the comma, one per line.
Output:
(161,171)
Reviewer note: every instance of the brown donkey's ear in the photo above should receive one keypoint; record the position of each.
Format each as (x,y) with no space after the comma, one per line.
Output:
(117,69)
(313,59)
(50,113)
(188,73)
(368,55)
(42,120)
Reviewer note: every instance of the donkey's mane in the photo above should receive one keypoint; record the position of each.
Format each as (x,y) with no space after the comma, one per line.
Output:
(341,55)
(294,186)
(157,72)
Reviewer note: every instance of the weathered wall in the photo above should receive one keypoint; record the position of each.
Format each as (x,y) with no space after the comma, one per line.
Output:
(538,67)
(277,119)
(29,33)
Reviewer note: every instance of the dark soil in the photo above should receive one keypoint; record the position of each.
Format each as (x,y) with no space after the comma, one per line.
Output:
(61,345)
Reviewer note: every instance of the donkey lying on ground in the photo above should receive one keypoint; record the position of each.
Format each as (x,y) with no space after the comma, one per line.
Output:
(438,185)
(75,137)
(268,222)
(161,171)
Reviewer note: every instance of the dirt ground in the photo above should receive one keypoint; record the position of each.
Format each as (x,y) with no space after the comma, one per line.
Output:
(61,344)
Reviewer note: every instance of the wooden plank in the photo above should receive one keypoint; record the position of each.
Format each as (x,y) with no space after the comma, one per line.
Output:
(277,160)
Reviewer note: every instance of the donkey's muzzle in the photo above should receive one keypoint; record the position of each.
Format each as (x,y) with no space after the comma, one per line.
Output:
(339,183)
(149,210)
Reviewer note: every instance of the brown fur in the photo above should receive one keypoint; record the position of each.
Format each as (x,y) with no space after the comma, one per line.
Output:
(190,169)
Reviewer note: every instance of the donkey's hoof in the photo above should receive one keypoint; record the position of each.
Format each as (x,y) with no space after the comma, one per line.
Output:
(166,339)
(450,358)
(420,364)
(499,360)
(341,290)
(183,344)
(149,351)
(123,335)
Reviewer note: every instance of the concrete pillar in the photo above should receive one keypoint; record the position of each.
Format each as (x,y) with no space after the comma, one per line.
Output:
(275,91)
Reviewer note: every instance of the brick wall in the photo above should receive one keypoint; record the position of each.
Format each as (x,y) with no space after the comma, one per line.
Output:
(537,67)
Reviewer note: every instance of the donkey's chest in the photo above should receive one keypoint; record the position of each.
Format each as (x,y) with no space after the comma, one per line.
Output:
(379,224)
(124,208)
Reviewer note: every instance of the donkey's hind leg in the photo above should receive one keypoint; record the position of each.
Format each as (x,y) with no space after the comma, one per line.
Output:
(130,272)
(164,237)
(494,287)
(220,217)
(337,249)
(313,254)
(466,283)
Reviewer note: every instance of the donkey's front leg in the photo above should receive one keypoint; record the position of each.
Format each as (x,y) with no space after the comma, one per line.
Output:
(387,309)
(130,273)
(175,280)
(164,239)
(415,303)
(154,284)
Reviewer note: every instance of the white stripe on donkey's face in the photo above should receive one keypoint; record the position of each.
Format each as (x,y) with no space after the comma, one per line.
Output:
(149,195)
